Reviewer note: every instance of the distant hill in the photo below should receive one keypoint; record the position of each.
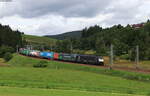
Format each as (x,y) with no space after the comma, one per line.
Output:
(39,40)
(73,34)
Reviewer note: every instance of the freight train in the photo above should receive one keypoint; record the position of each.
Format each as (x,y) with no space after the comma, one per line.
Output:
(76,58)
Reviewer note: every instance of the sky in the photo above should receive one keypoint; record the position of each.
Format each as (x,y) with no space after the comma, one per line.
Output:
(50,17)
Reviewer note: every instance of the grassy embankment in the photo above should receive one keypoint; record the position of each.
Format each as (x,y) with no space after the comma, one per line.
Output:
(61,76)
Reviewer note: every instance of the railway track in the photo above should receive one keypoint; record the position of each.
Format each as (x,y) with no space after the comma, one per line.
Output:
(96,66)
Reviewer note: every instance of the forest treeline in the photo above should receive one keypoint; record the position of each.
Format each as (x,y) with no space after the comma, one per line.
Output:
(125,39)
(9,40)
(95,38)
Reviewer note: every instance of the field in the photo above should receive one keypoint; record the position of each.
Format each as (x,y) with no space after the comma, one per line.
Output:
(60,79)
(39,40)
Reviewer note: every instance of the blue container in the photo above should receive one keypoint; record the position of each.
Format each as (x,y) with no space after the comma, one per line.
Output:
(48,55)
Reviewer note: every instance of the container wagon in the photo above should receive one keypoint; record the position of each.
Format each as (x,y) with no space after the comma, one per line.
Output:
(46,55)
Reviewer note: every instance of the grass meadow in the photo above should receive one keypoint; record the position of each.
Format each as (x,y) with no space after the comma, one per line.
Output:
(60,79)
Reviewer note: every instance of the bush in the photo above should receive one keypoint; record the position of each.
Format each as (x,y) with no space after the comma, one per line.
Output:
(41,64)
(5,49)
(7,56)
(130,92)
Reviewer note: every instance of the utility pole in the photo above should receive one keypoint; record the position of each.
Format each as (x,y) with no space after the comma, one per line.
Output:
(137,57)
(111,56)
(71,48)
(17,49)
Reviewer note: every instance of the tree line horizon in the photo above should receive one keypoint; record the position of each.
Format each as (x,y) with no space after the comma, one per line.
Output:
(96,38)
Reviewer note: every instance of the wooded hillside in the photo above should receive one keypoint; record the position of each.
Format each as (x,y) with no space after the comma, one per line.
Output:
(123,38)
(8,37)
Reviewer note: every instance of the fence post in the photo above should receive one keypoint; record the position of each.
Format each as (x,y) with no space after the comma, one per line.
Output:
(111,56)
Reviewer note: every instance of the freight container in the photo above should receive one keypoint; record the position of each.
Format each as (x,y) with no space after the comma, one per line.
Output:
(37,54)
(34,53)
(56,56)
(74,57)
(30,53)
(26,52)
(69,57)
(48,55)
(66,57)
(60,57)
(21,50)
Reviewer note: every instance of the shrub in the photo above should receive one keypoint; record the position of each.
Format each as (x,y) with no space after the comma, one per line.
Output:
(130,92)
(5,49)
(41,64)
(7,56)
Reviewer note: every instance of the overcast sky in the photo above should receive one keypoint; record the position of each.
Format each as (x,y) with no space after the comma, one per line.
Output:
(49,17)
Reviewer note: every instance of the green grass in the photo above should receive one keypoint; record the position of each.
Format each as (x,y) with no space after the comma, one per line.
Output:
(69,80)
(63,76)
(3,62)
(12,91)
(23,61)
(39,40)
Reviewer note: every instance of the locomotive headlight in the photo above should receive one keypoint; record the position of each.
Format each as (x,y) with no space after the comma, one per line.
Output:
(101,60)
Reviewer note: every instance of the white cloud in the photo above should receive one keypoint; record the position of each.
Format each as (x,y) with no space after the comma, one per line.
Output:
(48,17)
(51,24)
(69,8)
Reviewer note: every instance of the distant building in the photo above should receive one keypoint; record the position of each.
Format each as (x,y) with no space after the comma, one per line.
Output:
(138,25)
